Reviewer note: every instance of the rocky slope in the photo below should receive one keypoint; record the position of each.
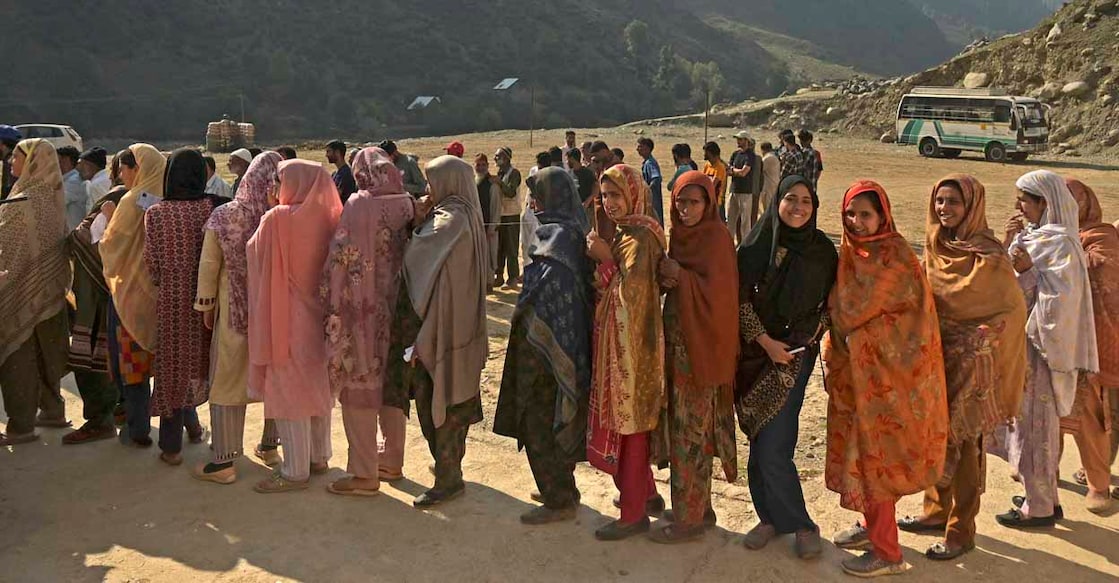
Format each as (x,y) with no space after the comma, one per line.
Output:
(1070,61)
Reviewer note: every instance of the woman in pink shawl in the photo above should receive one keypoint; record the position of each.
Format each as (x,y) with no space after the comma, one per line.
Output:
(361,281)
(287,350)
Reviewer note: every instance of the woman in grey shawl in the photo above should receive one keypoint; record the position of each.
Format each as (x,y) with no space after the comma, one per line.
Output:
(440,323)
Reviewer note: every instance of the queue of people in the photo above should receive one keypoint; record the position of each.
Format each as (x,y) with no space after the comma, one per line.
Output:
(628,346)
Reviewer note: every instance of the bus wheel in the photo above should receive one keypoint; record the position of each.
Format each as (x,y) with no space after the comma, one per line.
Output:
(1018,156)
(928,148)
(995,152)
(950,152)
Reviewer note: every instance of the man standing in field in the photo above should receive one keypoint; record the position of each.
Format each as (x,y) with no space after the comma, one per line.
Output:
(509,232)
(771,175)
(343,176)
(214,183)
(651,173)
(742,201)
(716,170)
(414,181)
(813,162)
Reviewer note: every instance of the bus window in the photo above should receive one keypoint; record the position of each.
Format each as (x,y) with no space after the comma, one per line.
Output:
(1002,112)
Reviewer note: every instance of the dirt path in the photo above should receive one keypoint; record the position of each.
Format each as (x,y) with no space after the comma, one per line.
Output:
(103,512)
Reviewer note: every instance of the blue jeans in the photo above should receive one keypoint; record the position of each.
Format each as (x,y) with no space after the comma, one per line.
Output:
(171,429)
(774,481)
(137,397)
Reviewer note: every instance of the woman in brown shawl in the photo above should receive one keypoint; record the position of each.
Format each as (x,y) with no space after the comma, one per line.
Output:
(701,338)
(439,326)
(982,325)
(34,275)
(1091,417)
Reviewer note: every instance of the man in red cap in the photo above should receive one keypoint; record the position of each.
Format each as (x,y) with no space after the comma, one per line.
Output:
(455,149)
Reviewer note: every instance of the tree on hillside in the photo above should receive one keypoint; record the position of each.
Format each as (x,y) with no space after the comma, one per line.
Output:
(639,48)
(707,81)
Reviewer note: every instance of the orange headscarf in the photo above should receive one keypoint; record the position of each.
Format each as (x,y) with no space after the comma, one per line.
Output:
(975,287)
(887,406)
(1101,244)
(707,294)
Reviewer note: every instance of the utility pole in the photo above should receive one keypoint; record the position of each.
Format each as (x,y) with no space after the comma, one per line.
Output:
(242,95)
(706,111)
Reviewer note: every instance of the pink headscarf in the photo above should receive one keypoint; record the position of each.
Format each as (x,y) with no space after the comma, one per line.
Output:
(375,173)
(285,260)
(361,279)
(235,223)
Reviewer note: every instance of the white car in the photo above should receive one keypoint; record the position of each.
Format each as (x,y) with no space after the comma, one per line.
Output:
(57,135)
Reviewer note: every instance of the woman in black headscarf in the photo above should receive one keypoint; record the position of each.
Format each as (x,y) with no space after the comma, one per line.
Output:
(173,234)
(786,269)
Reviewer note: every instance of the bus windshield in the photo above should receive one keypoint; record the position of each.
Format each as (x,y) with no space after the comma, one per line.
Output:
(1032,114)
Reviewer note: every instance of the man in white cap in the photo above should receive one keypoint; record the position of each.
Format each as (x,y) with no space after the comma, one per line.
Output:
(239,162)
(742,199)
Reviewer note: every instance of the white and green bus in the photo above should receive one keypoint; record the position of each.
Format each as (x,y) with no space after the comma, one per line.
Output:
(944,121)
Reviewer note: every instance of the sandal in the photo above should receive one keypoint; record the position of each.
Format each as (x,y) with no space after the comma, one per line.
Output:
(914,524)
(390,477)
(940,551)
(344,487)
(675,534)
(1018,501)
(320,469)
(6,440)
(1080,477)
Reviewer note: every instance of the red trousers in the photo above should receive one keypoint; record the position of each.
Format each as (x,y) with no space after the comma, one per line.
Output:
(635,477)
(882,529)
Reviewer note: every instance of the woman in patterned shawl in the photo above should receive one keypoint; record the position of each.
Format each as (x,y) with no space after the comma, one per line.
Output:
(887,403)
(547,378)
(786,268)
(34,275)
(627,393)
(983,331)
(361,281)
(173,234)
(223,303)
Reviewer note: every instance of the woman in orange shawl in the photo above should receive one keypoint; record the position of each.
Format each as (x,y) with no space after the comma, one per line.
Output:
(701,336)
(1091,417)
(627,392)
(983,331)
(887,405)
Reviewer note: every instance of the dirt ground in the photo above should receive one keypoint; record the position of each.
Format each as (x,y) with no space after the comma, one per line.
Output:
(103,512)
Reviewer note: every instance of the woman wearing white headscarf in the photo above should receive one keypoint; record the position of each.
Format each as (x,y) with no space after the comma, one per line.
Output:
(1052,272)
(439,326)
(34,276)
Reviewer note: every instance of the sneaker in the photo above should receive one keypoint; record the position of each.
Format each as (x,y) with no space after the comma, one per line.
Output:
(869,565)
(618,530)
(86,434)
(270,457)
(854,538)
(211,473)
(808,544)
(10,439)
(544,515)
